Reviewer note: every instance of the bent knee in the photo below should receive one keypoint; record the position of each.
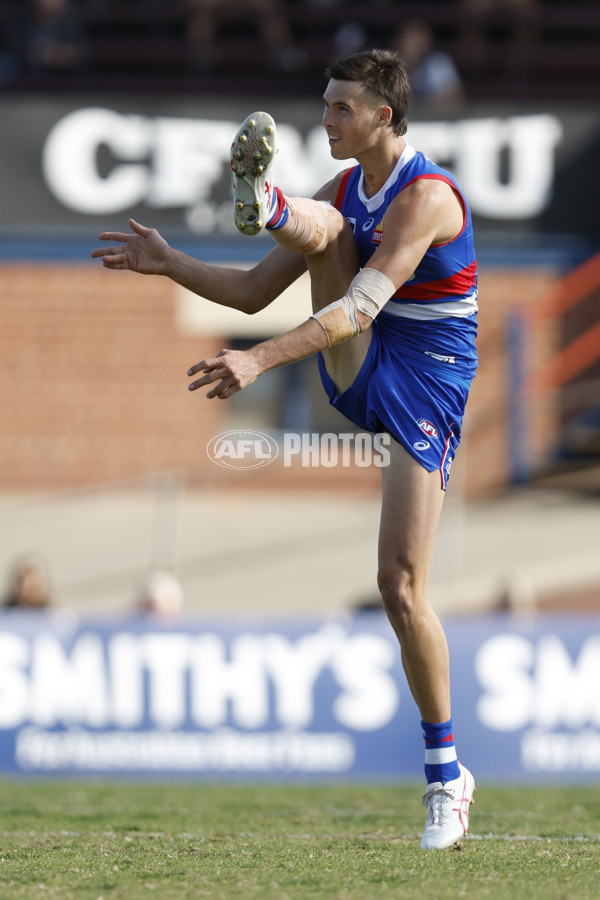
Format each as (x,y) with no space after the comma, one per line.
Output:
(400,595)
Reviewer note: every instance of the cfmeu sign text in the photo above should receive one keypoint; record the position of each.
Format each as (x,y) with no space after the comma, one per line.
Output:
(242,449)
(99,161)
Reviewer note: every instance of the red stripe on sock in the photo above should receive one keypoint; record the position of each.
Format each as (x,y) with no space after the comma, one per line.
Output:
(449,738)
(281,204)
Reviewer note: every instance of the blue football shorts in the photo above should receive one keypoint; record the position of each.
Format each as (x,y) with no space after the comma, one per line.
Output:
(403,390)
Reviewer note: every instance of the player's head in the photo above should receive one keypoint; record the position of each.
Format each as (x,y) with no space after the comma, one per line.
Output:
(383,74)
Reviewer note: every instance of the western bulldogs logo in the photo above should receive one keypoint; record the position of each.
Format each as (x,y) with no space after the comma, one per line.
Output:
(428,428)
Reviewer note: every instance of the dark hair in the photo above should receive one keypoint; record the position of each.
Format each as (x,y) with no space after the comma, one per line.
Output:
(383,74)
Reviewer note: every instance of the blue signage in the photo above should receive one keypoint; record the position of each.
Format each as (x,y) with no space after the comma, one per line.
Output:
(291,699)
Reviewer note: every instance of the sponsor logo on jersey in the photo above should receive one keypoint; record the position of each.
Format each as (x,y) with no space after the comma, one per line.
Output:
(377,236)
(368,224)
(428,428)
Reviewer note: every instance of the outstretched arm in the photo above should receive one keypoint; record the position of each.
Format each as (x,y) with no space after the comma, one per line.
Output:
(145,251)
(233,370)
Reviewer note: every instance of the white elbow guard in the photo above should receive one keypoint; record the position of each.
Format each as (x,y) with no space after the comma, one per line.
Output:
(369,291)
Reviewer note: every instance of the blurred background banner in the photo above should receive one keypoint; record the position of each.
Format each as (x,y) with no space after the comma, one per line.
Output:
(68,163)
(319,697)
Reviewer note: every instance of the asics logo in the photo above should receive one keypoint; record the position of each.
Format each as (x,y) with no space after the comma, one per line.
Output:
(462,806)
(445,359)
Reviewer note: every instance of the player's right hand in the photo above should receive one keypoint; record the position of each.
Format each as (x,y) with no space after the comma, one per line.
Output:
(144,250)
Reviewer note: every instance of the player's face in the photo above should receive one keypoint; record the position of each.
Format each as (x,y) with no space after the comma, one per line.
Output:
(350,118)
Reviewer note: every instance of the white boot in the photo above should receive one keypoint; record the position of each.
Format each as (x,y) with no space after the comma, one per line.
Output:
(447,811)
(252,152)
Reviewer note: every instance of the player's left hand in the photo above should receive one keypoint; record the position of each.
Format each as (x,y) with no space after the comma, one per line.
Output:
(232,370)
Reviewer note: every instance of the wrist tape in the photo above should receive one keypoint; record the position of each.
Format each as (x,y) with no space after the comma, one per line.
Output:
(368,293)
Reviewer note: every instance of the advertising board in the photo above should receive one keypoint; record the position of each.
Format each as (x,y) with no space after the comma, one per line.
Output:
(281,699)
(68,163)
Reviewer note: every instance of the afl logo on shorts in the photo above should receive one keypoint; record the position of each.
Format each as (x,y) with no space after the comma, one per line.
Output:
(428,428)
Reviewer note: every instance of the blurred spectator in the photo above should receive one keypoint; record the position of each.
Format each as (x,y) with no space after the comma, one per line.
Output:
(433,76)
(347,36)
(47,38)
(29,585)
(160,595)
(488,22)
(265,21)
(8,59)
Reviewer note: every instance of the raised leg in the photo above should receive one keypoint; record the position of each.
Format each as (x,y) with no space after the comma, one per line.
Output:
(310,227)
(331,272)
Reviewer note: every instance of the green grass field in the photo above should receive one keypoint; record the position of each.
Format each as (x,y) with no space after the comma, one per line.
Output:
(119,841)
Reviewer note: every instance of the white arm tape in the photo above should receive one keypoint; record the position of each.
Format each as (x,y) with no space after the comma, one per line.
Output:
(368,293)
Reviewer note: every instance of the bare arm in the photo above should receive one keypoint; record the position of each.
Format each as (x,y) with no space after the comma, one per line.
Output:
(247,290)
(233,370)
(145,251)
(425,213)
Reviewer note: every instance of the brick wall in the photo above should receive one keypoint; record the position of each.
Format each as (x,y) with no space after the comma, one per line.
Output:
(94,384)
(483,461)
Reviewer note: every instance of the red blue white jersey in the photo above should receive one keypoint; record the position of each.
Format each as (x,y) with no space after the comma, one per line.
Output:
(445,281)
(415,379)
(444,284)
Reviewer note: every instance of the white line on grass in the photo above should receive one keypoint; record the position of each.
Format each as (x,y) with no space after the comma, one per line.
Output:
(247,835)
